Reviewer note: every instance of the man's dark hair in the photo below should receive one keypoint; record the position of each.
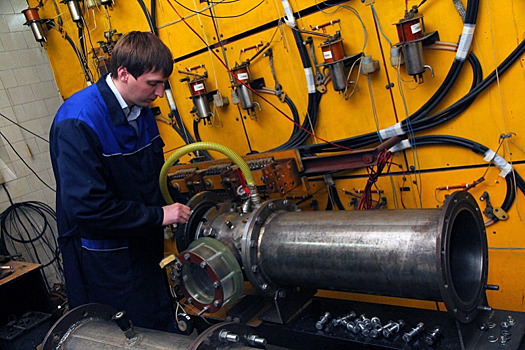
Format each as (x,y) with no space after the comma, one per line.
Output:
(141,52)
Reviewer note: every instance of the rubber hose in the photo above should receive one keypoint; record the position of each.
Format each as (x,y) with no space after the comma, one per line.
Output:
(199,146)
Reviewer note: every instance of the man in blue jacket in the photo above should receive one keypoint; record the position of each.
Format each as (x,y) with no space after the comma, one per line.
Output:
(107,154)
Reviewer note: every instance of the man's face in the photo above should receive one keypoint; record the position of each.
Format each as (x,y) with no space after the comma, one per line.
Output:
(142,90)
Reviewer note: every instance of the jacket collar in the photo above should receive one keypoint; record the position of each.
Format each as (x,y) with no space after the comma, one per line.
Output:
(115,110)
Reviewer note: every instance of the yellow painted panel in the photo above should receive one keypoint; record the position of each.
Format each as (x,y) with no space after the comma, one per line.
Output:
(496,111)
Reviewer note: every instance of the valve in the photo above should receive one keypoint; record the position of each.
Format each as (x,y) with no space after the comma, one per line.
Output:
(242,80)
(199,93)
(75,11)
(335,58)
(35,23)
(412,38)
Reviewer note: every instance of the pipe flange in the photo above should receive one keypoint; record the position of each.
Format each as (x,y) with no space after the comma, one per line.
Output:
(72,320)
(199,204)
(463,296)
(209,275)
(250,244)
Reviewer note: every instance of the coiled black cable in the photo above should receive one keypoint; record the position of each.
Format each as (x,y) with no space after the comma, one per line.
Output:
(29,223)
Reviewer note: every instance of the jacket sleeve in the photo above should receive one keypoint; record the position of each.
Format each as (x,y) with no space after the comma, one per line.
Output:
(83,185)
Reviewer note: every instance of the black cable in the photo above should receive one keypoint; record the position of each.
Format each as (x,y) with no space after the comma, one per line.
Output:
(473,93)
(153,9)
(33,220)
(83,64)
(370,138)
(233,16)
(335,197)
(25,163)
(152,27)
(23,128)
(196,131)
(480,149)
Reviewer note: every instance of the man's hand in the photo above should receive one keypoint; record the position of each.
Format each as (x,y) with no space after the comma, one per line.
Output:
(176,213)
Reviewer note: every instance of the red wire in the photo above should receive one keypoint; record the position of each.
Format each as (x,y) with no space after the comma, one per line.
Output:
(249,87)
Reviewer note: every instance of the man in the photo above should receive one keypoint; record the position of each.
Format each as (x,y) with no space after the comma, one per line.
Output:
(107,154)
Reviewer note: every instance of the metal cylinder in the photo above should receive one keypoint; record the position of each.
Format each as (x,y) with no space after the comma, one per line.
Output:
(337,73)
(74,10)
(246,97)
(413,57)
(202,106)
(431,254)
(89,327)
(35,23)
(98,334)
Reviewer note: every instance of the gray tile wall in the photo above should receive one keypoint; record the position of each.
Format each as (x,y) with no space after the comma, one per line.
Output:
(29,96)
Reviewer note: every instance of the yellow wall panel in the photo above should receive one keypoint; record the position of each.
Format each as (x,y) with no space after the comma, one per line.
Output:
(497,110)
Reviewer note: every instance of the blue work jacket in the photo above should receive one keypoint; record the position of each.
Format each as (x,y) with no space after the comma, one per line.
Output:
(109,206)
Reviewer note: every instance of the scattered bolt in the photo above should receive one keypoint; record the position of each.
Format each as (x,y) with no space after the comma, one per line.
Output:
(505,325)
(376,321)
(322,321)
(433,336)
(407,337)
(227,336)
(376,332)
(255,340)
(393,329)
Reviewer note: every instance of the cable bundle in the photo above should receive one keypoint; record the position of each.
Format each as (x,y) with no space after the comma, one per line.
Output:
(27,224)
(384,159)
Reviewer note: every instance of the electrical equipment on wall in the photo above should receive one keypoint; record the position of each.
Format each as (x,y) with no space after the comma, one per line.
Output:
(103,53)
(243,82)
(334,55)
(412,38)
(243,93)
(35,23)
(95,3)
(74,10)
(199,93)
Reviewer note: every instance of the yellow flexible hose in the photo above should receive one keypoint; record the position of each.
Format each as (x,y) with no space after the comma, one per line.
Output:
(200,146)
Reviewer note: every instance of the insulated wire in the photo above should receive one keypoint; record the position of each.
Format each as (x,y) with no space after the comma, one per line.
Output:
(415,156)
(213,4)
(354,11)
(363,140)
(379,25)
(316,98)
(25,163)
(33,219)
